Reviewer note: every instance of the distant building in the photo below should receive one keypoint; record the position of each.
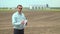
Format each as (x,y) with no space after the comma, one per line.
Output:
(38,6)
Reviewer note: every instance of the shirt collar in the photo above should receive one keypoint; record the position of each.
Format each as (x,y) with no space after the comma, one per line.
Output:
(18,13)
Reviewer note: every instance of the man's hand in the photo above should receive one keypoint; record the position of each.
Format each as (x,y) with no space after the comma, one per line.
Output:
(22,22)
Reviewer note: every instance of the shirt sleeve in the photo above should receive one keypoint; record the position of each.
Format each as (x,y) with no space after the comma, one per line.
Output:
(14,21)
(24,17)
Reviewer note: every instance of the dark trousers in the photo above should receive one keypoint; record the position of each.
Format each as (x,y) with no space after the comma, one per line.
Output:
(17,31)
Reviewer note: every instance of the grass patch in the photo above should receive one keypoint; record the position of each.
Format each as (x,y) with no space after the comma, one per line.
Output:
(44,10)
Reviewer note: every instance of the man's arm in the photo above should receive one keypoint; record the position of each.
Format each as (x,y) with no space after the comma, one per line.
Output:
(25,19)
(14,21)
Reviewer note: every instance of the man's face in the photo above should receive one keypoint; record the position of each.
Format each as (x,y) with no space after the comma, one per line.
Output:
(19,8)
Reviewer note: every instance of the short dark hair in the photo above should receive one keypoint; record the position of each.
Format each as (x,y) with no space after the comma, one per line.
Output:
(19,5)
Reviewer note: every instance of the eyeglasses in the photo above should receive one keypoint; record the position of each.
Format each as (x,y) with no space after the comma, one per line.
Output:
(20,8)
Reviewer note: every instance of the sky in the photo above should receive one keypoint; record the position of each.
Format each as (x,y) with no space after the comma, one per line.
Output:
(27,3)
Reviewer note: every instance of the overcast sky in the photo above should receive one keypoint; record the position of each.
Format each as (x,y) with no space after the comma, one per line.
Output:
(26,3)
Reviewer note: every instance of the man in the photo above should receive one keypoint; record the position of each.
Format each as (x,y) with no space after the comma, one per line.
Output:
(19,21)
